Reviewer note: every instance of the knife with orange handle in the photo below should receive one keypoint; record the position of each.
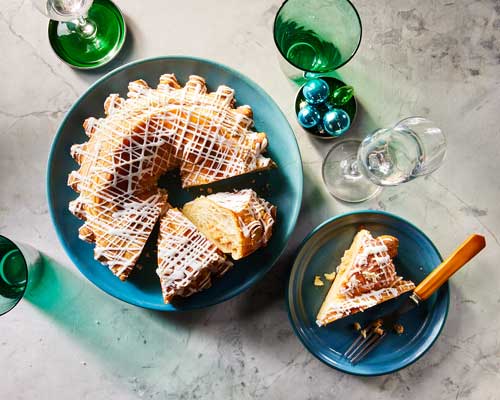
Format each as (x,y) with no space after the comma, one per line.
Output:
(439,275)
(373,334)
(461,256)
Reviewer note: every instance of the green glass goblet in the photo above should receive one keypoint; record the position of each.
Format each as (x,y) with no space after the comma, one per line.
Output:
(85,34)
(317,36)
(20,270)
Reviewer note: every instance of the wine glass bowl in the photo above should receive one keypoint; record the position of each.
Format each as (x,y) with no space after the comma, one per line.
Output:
(317,36)
(355,171)
(431,141)
(413,147)
(63,10)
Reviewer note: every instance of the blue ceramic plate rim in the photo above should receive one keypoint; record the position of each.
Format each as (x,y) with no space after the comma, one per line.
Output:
(289,295)
(107,289)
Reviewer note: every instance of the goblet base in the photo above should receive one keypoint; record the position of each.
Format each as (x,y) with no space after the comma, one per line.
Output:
(342,177)
(83,51)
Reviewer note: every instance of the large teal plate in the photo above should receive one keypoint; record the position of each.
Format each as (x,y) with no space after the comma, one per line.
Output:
(321,252)
(281,186)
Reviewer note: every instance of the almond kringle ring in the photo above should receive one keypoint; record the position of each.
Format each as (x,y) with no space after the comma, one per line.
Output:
(141,137)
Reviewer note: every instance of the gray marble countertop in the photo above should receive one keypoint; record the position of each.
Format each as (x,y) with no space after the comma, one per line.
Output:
(435,58)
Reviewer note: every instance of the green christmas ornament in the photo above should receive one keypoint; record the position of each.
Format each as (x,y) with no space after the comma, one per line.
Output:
(341,95)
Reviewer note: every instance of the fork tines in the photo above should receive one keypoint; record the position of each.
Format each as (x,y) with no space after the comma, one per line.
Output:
(364,344)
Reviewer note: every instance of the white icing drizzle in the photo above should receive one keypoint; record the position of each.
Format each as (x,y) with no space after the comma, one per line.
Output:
(144,136)
(255,215)
(186,258)
(373,268)
(362,302)
(120,236)
(372,280)
(212,141)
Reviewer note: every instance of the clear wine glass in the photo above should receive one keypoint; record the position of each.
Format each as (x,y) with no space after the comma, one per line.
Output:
(355,171)
(84,33)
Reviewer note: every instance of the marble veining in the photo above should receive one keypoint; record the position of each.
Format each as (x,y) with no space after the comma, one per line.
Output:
(440,59)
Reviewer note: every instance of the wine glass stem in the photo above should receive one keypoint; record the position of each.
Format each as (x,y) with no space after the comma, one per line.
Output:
(85,27)
(311,75)
(350,169)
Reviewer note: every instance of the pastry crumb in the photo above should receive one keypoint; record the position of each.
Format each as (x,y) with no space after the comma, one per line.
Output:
(357,326)
(378,323)
(399,329)
(210,190)
(330,277)
(318,281)
(363,333)
(378,331)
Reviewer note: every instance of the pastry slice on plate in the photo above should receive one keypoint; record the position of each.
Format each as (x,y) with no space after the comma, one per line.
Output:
(120,231)
(238,223)
(365,277)
(187,260)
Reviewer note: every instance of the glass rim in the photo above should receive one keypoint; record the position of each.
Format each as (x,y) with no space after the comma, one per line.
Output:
(325,71)
(445,139)
(21,294)
(443,136)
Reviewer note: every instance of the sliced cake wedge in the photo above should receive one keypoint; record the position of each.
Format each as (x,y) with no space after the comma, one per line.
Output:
(239,223)
(187,260)
(365,277)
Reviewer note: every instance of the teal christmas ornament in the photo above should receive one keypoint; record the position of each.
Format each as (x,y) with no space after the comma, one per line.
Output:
(341,95)
(316,91)
(308,116)
(336,122)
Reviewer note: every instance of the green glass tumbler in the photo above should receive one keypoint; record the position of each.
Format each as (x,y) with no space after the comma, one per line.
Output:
(317,36)
(20,269)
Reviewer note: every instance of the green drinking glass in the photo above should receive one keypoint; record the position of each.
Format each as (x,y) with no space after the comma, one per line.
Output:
(20,269)
(85,34)
(317,36)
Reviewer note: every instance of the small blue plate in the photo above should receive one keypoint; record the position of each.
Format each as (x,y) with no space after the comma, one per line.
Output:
(281,186)
(321,252)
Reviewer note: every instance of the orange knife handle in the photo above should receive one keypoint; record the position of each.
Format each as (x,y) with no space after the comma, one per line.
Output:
(465,252)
